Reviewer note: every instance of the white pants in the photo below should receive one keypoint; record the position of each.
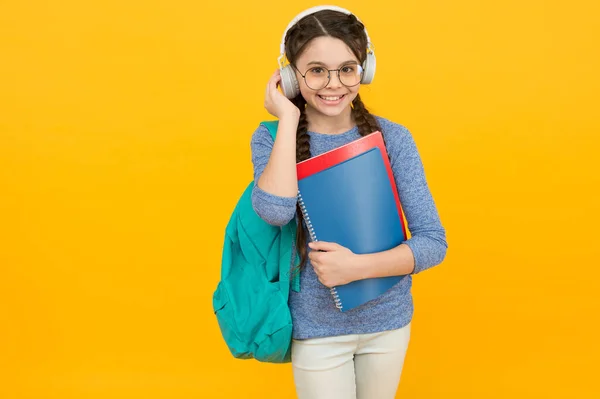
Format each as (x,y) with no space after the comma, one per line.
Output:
(364,366)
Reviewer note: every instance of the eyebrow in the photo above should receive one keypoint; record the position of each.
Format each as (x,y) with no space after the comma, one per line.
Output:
(321,63)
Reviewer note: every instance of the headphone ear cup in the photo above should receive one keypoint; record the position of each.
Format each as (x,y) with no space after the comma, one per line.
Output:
(368,69)
(289,83)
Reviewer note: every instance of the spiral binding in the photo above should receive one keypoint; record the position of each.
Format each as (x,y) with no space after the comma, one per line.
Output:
(313,237)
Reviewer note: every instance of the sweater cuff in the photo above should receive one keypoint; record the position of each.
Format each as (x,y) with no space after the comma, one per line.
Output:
(416,255)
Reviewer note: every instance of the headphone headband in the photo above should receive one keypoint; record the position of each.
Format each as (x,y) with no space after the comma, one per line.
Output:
(312,11)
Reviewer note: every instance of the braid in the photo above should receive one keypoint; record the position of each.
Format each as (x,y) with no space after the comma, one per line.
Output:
(302,138)
(302,154)
(365,121)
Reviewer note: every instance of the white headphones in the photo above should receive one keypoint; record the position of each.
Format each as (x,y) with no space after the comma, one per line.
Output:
(289,83)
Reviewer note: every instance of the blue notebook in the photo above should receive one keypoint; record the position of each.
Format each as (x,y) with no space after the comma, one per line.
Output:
(349,196)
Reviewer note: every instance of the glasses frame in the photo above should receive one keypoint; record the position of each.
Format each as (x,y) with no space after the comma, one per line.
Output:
(329,75)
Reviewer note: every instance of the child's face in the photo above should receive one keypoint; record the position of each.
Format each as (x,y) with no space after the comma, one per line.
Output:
(325,53)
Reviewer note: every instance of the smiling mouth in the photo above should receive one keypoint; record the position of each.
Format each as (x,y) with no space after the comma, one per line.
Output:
(332,98)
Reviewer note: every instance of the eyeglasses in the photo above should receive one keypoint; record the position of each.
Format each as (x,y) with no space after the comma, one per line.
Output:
(317,78)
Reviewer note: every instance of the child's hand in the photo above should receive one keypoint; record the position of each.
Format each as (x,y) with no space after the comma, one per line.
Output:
(336,266)
(276,103)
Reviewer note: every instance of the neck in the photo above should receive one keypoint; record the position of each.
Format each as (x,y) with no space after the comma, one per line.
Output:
(325,124)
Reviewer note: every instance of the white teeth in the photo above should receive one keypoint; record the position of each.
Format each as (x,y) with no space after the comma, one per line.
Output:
(331,98)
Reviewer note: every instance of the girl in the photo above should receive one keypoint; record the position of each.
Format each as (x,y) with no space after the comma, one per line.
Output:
(359,353)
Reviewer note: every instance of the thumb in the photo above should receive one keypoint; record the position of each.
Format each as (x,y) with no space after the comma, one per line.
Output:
(323,246)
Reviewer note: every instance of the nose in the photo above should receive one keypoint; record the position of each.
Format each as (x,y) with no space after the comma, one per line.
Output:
(334,82)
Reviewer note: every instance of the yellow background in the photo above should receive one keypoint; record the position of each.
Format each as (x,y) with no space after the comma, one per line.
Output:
(124,144)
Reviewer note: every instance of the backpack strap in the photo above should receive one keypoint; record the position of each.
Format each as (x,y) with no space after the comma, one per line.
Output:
(288,238)
(272,126)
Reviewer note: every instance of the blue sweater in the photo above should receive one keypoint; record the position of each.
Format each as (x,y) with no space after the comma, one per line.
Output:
(313,310)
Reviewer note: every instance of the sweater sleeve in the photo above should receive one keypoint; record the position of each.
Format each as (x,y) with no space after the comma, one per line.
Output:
(428,236)
(273,209)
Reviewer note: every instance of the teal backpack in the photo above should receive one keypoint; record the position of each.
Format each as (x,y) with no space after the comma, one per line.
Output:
(251,300)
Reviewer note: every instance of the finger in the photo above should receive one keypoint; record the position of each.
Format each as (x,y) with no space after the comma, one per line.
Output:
(271,84)
(273,78)
(325,282)
(315,257)
(317,270)
(323,246)
(275,82)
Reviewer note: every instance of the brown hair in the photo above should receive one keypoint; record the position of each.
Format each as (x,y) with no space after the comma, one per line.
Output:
(350,30)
